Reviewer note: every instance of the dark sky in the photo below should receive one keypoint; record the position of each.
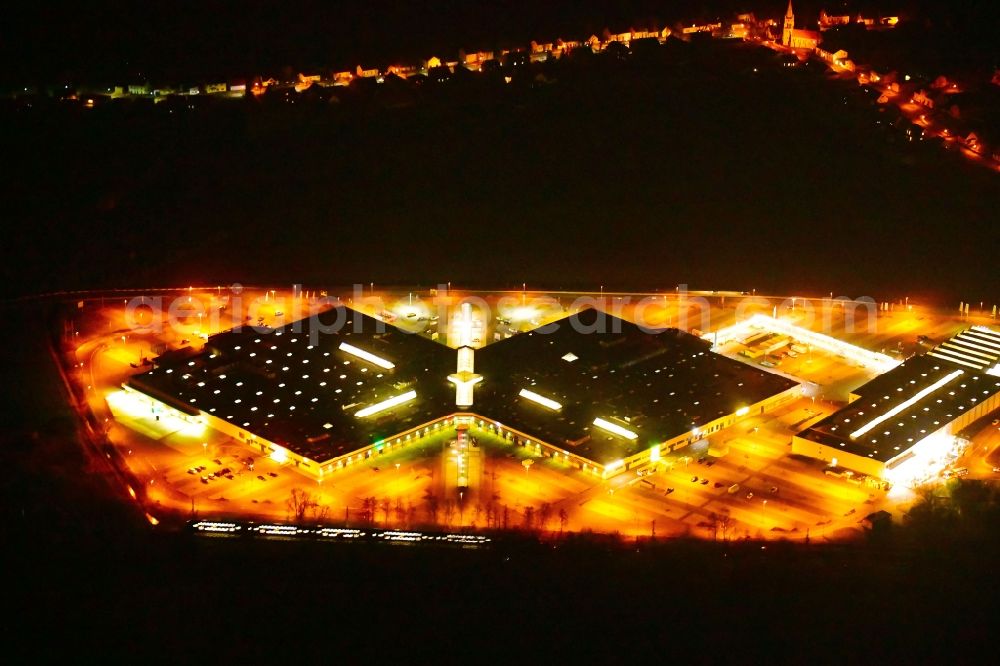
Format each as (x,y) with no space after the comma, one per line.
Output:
(695,170)
(633,177)
(198,39)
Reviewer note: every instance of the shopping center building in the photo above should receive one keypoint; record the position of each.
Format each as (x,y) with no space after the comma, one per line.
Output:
(335,389)
(904,425)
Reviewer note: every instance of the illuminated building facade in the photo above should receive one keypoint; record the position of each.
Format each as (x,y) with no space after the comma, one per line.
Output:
(591,390)
(610,397)
(797,39)
(901,426)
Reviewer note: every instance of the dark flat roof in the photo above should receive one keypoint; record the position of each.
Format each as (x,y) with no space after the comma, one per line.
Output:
(658,384)
(957,388)
(280,386)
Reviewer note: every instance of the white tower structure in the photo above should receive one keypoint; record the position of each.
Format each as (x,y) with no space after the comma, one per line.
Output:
(465,377)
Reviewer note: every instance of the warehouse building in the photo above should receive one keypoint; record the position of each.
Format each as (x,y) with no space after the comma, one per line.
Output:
(902,426)
(322,393)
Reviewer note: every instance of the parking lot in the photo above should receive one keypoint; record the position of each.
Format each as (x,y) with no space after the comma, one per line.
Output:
(750,486)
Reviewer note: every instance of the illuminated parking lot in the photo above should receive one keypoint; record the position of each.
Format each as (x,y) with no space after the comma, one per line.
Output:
(740,481)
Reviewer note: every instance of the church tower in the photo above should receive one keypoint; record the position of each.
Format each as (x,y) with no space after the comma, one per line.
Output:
(786,31)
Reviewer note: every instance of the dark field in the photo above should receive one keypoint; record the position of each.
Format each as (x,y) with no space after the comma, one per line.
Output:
(679,165)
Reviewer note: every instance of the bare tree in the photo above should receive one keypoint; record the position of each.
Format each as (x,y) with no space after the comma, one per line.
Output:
(491,514)
(563,520)
(400,512)
(725,523)
(319,512)
(411,514)
(368,510)
(544,516)
(299,502)
(432,507)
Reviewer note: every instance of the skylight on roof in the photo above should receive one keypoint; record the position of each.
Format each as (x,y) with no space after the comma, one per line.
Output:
(367,356)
